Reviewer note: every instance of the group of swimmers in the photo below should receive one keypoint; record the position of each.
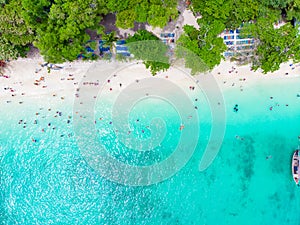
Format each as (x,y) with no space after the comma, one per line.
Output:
(236,109)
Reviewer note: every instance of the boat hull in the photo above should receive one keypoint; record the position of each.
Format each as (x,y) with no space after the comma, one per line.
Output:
(295,167)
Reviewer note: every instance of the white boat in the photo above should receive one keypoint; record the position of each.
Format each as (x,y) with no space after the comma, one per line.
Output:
(295,167)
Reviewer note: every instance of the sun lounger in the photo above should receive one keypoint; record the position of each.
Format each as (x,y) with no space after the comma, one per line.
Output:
(55,67)
(121,42)
(89,49)
(121,48)
(125,54)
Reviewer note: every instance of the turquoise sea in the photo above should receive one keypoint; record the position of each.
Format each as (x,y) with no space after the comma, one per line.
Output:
(44,179)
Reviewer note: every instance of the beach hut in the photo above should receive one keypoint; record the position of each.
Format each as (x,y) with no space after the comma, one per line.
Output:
(236,43)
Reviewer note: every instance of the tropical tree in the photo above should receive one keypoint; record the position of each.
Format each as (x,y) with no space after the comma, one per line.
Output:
(8,51)
(126,18)
(35,12)
(203,44)
(276,4)
(159,16)
(142,35)
(293,9)
(230,12)
(243,11)
(147,47)
(275,46)
(64,36)
(213,10)
(141,12)
(117,5)
(156,12)
(109,38)
(15,34)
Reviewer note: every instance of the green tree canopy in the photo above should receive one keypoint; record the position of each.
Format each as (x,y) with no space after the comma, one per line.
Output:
(293,9)
(204,43)
(230,12)
(156,12)
(12,25)
(275,46)
(35,12)
(64,36)
(7,50)
(109,38)
(159,16)
(15,34)
(147,47)
(126,18)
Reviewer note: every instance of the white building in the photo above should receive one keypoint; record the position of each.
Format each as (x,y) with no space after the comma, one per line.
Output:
(237,45)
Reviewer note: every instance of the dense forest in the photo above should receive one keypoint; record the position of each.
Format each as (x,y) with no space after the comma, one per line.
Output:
(58,28)
(273,45)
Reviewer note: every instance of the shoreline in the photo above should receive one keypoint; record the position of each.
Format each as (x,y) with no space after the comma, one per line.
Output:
(23,73)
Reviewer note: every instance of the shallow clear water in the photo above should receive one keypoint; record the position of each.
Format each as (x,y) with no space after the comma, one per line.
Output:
(49,182)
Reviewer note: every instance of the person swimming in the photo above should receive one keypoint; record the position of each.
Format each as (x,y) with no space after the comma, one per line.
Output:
(235,109)
(268,157)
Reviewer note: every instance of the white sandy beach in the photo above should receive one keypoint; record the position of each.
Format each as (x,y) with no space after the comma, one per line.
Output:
(23,73)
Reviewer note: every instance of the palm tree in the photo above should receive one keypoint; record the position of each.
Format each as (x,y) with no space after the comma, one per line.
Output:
(109,38)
